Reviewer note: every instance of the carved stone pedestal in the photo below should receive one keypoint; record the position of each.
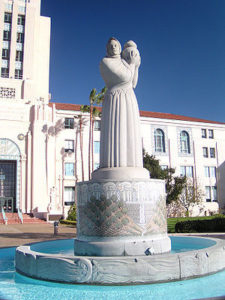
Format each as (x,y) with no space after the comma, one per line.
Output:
(121,218)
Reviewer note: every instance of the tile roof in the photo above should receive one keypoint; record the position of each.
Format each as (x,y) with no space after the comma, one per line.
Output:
(148,114)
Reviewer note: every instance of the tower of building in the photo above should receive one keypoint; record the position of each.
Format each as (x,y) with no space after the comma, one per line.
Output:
(24,46)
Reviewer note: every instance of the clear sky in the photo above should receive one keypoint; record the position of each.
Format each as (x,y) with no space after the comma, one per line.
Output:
(181,42)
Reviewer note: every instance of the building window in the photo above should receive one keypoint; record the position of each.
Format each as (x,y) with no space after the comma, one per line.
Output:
(211,134)
(211,193)
(18,65)
(214,193)
(5,44)
(205,152)
(18,74)
(5,72)
(21,20)
(96,147)
(19,55)
(6,35)
(19,46)
(210,172)
(7,26)
(5,53)
(69,169)
(5,63)
(208,193)
(159,140)
(20,37)
(186,171)
(204,134)
(8,18)
(69,196)
(69,123)
(184,142)
(22,9)
(212,153)
(69,146)
(97,125)
(8,6)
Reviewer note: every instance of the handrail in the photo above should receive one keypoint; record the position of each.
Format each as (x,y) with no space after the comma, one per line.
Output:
(4,216)
(20,215)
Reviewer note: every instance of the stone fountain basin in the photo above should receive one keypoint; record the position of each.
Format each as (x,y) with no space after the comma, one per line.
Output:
(121,269)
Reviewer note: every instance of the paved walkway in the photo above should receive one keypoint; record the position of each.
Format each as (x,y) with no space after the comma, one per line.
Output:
(20,234)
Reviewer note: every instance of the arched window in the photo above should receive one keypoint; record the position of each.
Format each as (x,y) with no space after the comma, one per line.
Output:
(159,140)
(184,142)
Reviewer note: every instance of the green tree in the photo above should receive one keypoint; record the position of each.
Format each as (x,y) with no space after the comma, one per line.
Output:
(174,184)
(94,99)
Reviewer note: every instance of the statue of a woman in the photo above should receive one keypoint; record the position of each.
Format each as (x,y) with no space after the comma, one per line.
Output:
(121,144)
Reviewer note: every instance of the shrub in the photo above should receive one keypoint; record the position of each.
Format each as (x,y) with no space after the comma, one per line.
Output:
(211,225)
(72,213)
(68,222)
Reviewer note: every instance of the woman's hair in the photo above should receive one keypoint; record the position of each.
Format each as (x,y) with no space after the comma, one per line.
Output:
(108,43)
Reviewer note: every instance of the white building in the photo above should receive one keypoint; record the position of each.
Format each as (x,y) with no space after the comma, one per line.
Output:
(42,144)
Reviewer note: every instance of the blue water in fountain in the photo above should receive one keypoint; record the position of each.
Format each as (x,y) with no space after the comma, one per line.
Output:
(14,286)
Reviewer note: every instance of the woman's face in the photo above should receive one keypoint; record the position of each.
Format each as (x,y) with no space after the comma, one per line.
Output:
(114,48)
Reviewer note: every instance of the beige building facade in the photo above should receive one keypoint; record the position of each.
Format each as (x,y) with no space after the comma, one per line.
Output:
(44,146)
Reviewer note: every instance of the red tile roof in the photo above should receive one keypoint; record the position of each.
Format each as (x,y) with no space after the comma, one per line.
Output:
(148,114)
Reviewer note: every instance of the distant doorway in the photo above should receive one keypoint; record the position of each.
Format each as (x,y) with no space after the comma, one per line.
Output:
(8,185)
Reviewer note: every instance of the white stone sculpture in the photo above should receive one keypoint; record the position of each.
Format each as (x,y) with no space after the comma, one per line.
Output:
(121,145)
(122,211)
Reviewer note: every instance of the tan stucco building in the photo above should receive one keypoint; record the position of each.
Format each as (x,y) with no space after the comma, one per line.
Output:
(42,143)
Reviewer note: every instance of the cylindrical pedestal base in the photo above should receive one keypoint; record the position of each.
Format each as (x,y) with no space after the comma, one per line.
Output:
(123,247)
(121,218)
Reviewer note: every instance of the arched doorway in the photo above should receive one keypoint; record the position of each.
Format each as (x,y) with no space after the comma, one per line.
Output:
(10,174)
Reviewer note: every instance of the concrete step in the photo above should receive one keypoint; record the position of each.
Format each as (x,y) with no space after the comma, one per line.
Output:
(14,219)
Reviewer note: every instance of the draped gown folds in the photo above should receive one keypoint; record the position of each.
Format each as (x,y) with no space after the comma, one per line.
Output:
(121,144)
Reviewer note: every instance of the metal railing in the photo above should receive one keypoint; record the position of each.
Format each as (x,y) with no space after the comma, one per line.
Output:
(20,215)
(5,220)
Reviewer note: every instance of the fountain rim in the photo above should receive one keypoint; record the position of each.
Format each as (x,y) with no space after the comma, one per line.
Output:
(126,269)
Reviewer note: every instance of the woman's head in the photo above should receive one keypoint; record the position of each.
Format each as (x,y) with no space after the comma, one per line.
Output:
(113,47)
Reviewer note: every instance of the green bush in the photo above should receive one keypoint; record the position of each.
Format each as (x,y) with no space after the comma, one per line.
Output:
(72,213)
(171,222)
(216,224)
(68,222)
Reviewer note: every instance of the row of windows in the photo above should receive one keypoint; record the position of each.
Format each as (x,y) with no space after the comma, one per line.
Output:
(188,171)
(69,124)
(210,133)
(6,47)
(9,7)
(69,146)
(19,55)
(159,138)
(7,36)
(209,152)
(5,73)
(69,168)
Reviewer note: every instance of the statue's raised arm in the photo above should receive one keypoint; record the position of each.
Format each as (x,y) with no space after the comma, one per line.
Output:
(132,56)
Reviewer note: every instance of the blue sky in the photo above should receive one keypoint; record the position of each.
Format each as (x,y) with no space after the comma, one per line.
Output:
(181,42)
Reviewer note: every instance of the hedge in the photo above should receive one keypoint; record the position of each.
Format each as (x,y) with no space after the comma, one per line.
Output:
(171,222)
(68,222)
(211,225)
